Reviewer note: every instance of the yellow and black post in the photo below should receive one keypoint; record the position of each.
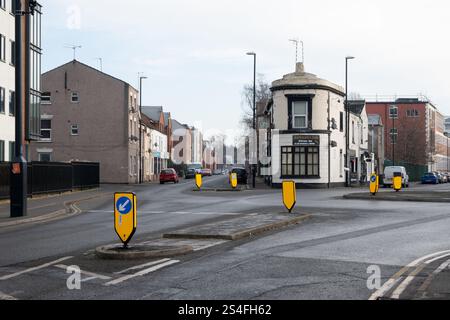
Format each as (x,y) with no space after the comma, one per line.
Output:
(289,195)
(397,181)
(374,184)
(198,180)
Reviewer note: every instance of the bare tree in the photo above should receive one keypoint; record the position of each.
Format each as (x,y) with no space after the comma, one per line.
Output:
(263,94)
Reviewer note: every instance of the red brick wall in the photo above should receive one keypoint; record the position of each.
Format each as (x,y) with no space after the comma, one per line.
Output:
(411,146)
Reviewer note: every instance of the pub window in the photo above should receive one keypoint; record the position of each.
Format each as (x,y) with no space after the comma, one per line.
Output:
(353,132)
(2,150)
(300,161)
(12,103)
(3,4)
(2,100)
(13,53)
(300,114)
(341,122)
(12,151)
(2,48)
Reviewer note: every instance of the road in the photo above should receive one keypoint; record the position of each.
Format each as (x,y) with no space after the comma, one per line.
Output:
(326,257)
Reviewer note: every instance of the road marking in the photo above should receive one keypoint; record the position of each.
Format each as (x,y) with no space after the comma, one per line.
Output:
(86,273)
(402,287)
(141,273)
(392,281)
(395,278)
(388,285)
(7,297)
(34,269)
(142,266)
(430,278)
(438,258)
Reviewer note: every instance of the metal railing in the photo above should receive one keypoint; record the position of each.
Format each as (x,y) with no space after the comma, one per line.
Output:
(53,177)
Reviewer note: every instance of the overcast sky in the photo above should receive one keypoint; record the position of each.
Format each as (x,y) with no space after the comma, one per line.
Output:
(193,51)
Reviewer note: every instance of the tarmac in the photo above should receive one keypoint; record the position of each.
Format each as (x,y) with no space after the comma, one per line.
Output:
(414,196)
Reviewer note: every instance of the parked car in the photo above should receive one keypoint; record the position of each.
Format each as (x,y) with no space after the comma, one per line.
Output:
(389,175)
(447,177)
(206,172)
(168,175)
(439,176)
(430,177)
(190,173)
(242,175)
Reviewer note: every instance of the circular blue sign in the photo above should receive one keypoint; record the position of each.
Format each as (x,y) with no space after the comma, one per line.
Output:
(124,205)
(373,179)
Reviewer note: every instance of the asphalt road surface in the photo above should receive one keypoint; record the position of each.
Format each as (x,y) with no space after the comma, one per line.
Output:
(326,257)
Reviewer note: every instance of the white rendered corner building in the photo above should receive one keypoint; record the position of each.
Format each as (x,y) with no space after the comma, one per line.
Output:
(307,132)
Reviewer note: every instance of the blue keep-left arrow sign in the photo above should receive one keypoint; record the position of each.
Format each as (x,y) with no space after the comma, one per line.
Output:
(124,205)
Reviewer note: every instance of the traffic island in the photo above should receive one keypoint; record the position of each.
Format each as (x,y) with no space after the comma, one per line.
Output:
(413,196)
(238,228)
(135,252)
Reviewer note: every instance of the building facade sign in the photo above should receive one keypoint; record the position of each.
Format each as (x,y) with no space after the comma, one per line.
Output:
(306,141)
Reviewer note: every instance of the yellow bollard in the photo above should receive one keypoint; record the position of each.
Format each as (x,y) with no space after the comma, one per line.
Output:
(397,183)
(198,180)
(289,195)
(374,184)
(234,180)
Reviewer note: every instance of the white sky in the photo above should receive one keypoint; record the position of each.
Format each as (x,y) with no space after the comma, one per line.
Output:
(194,50)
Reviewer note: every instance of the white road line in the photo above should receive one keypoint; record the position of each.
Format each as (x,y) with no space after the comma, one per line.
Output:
(142,266)
(388,285)
(34,268)
(437,258)
(402,287)
(416,262)
(395,279)
(208,246)
(141,273)
(430,278)
(6,297)
(88,279)
(86,273)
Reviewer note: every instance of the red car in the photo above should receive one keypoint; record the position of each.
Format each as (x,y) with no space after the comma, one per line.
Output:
(168,175)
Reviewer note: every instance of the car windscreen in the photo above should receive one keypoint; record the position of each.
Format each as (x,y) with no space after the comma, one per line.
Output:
(167,172)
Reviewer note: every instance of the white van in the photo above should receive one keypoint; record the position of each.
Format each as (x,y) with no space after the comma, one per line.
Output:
(389,175)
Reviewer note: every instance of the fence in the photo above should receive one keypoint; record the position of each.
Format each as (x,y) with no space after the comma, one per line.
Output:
(414,171)
(53,177)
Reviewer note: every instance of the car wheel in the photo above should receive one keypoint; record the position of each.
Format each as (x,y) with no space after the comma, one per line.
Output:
(161,182)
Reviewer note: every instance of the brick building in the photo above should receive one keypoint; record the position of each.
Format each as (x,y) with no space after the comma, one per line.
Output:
(414,133)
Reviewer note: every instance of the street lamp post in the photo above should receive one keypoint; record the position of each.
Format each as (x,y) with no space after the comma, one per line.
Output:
(140,131)
(347,124)
(254,113)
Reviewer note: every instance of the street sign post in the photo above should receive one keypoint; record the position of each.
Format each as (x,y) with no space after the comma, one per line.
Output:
(289,195)
(234,180)
(198,180)
(397,181)
(125,217)
(374,184)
